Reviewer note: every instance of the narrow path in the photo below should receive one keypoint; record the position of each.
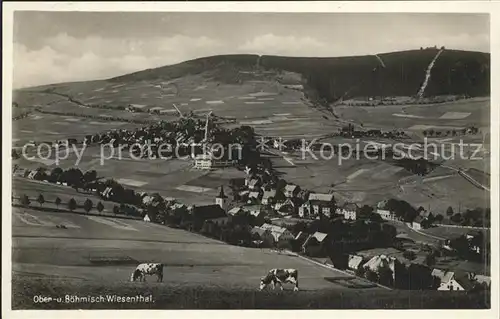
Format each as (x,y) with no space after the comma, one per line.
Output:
(467,177)
(380,60)
(428,75)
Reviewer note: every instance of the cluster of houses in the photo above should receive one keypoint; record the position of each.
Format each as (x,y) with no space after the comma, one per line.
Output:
(293,201)
(421,221)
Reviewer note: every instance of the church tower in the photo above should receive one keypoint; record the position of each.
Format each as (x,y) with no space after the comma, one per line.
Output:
(221,199)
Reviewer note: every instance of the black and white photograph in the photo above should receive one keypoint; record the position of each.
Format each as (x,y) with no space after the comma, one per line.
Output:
(250,159)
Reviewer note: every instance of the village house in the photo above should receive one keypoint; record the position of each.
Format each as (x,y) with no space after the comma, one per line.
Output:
(108,193)
(475,240)
(301,238)
(20,172)
(254,197)
(291,191)
(254,184)
(348,211)
(305,210)
(314,244)
(482,279)
(268,198)
(280,234)
(376,263)
(355,262)
(322,204)
(265,236)
(254,210)
(386,214)
(418,223)
(452,281)
(288,207)
(35,174)
(236,211)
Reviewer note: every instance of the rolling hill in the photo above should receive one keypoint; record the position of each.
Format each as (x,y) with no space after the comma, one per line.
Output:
(389,74)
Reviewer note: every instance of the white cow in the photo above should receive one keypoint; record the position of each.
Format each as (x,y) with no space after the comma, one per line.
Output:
(147,269)
(280,276)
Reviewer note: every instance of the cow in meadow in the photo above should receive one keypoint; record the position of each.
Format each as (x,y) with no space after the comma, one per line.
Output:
(147,269)
(280,276)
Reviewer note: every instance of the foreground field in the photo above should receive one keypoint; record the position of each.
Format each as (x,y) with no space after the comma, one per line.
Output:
(173,296)
(95,250)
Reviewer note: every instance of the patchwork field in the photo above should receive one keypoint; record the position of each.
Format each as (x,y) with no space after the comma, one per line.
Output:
(453,115)
(246,103)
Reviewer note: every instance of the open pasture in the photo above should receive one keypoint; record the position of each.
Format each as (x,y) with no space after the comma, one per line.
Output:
(189,258)
(22,186)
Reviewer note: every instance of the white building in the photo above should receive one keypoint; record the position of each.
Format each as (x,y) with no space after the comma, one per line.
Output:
(203,161)
(322,203)
(452,281)
(386,214)
(207,161)
(349,211)
(291,190)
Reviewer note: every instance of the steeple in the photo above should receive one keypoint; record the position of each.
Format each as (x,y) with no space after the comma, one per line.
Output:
(221,199)
(221,193)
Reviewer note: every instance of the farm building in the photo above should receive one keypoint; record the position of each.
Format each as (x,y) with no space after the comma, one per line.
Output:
(322,203)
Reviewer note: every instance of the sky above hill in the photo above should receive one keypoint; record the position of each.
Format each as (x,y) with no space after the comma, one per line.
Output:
(52,47)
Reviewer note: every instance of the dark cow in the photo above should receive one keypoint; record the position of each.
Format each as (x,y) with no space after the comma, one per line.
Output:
(147,269)
(280,276)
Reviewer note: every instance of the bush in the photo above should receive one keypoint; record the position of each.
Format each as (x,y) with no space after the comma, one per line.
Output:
(72,204)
